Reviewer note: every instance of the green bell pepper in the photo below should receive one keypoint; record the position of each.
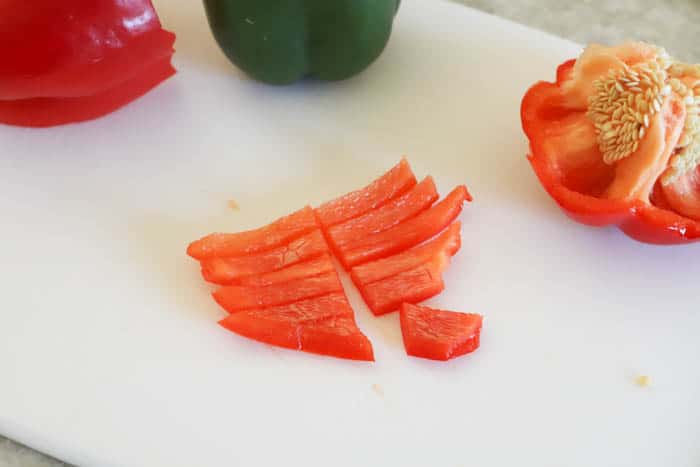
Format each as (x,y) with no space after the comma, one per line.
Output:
(282,41)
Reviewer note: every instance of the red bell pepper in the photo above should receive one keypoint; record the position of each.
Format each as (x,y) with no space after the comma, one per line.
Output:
(313,267)
(323,325)
(337,336)
(408,233)
(439,334)
(73,60)
(411,276)
(393,183)
(228,270)
(592,172)
(447,243)
(278,233)
(412,286)
(234,298)
(410,204)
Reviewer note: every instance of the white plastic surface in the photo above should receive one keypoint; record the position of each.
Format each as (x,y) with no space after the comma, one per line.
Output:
(109,348)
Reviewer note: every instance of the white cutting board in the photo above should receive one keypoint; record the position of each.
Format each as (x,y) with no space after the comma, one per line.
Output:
(109,348)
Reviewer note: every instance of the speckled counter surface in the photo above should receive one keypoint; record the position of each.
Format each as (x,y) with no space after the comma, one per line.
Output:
(672,23)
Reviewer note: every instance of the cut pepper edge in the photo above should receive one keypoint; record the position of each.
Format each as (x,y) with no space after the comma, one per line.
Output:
(640,221)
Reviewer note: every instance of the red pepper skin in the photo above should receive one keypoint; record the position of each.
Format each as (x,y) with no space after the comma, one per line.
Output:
(103,53)
(43,112)
(541,107)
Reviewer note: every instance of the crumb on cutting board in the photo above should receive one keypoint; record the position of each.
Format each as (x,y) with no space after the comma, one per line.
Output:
(378,389)
(232,204)
(643,381)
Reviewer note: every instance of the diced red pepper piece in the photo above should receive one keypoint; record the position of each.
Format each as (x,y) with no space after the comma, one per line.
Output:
(228,270)
(45,111)
(395,182)
(234,298)
(412,286)
(277,233)
(406,234)
(410,204)
(439,334)
(322,325)
(447,243)
(314,267)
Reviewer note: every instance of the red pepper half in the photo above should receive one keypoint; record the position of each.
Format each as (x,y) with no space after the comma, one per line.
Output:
(75,60)
(582,163)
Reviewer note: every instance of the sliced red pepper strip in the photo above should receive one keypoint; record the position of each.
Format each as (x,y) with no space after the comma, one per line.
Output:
(447,243)
(393,183)
(265,238)
(322,325)
(571,169)
(410,204)
(406,234)
(439,334)
(337,336)
(234,298)
(228,270)
(411,286)
(314,267)
(46,112)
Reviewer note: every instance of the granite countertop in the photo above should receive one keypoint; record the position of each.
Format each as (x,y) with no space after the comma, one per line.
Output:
(673,23)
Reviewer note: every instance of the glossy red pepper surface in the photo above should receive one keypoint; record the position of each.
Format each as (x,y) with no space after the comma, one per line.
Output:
(72,60)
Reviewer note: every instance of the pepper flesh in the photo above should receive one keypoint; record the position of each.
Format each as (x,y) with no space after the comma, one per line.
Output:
(447,243)
(411,276)
(278,233)
(564,154)
(408,233)
(234,298)
(396,181)
(439,334)
(410,204)
(322,325)
(230,270)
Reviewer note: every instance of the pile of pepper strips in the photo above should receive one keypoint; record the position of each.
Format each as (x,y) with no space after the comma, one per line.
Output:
(279,284)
